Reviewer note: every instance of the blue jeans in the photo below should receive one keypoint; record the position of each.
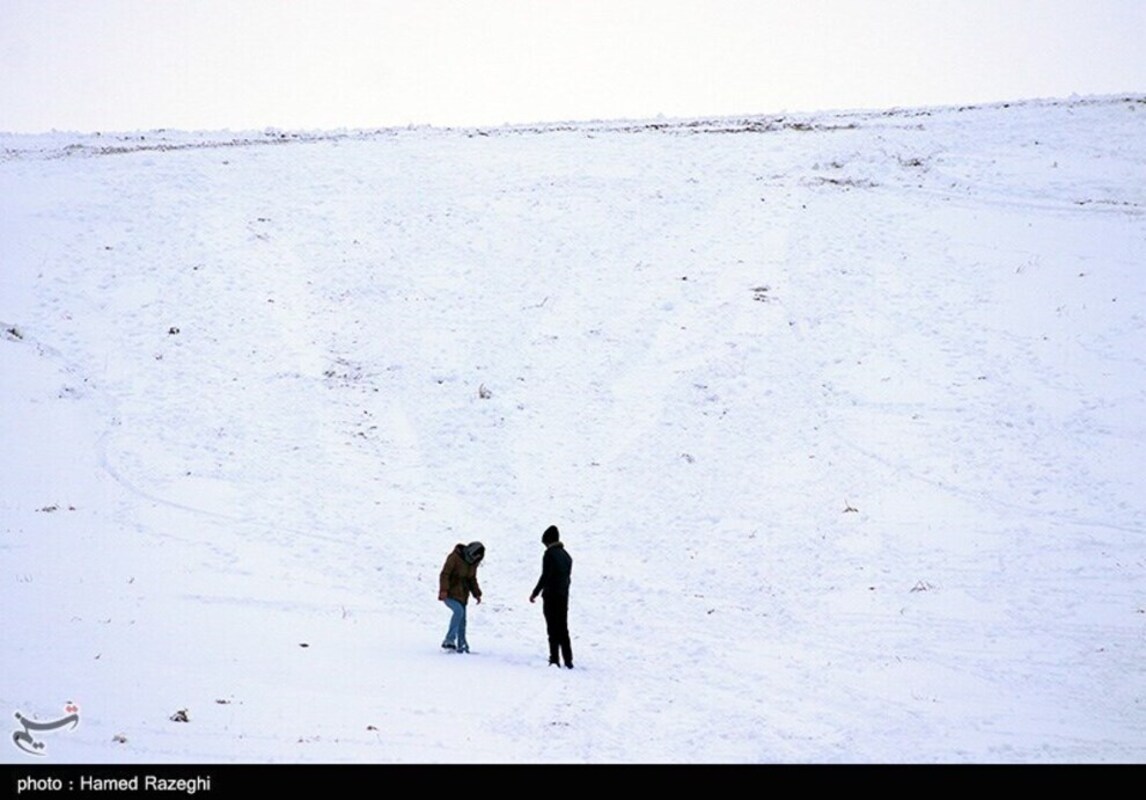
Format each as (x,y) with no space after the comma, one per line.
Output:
(457,630)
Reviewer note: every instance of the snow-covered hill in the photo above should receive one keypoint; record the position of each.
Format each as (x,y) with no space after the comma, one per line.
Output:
(840,415)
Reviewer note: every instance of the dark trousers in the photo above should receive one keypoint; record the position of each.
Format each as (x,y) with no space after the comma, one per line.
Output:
(557,626)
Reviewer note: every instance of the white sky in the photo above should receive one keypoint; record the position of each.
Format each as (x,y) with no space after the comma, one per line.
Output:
(216,64)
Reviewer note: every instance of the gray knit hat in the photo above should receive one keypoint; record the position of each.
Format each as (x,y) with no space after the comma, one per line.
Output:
(473,552)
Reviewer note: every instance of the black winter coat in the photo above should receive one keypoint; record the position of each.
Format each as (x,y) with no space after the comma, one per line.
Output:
(556,568)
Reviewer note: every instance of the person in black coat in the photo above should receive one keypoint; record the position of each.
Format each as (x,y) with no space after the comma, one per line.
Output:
(553,586)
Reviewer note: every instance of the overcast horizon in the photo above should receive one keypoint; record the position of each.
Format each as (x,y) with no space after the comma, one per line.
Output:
(121,65)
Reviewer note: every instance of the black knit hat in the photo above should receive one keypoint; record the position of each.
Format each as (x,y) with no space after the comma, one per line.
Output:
(551,535)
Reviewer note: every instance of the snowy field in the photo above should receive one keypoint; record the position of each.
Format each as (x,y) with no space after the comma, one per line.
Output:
(842,417)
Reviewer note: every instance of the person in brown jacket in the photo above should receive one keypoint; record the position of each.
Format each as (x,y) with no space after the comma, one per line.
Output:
(456,583)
